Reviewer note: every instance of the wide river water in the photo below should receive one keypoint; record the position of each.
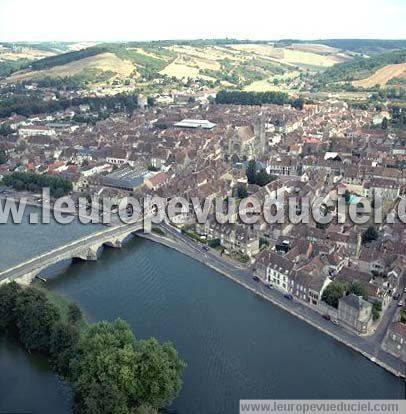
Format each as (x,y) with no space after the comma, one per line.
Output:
(236,345)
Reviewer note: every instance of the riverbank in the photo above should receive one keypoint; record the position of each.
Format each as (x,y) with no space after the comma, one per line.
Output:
(365,346)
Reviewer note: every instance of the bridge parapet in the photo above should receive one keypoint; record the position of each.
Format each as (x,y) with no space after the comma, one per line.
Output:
(86,248)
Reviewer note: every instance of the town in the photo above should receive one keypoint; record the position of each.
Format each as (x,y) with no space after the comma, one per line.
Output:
(352,275)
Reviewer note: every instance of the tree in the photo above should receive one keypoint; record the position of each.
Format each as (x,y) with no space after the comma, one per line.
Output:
(251,172)
(63,343)
(74,313)
(3,157)
(357,289)
(59,192)
(104,397)
(298,103)
(105,359)
(214,243)
(8,296)
(347,196)
(369,235)
(5,130)
(35,319)
(146,409)
(333,292)
(262,178)
(158,373)
(376,310)
(403,315)
(242,191)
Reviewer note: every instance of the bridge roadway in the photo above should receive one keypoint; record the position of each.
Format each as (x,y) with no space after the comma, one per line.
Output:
(85,248)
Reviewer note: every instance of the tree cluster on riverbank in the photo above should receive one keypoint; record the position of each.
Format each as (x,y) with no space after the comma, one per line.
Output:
(109,369)
(22,181)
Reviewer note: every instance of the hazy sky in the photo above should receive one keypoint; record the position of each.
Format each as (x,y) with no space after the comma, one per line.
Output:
(35,20)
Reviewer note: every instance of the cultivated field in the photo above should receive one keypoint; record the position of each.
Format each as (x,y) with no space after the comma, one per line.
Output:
(383,75)
(314,48)
(267,85)
(304,55)
(106,62)
(6,54)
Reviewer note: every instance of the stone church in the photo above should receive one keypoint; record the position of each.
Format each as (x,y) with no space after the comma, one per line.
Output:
(245,142)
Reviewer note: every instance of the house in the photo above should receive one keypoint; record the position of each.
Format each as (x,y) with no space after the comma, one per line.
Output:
(157,181)
(275,270)
(396,340)
(309,281)
(232,237)
(355,312)
(285,166)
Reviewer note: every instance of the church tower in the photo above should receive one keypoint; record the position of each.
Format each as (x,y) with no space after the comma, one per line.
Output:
(260,135)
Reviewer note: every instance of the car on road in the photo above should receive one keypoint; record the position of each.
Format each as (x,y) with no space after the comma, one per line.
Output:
(269,286)
(288,296)
(256,278)
(327,317)
(335,321)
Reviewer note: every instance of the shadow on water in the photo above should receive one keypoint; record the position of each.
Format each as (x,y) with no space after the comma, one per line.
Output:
(27,383)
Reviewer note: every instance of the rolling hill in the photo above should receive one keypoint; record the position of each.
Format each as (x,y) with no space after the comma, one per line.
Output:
(365,68)
(162,66)
(106,62)
(383,75)
(214,63)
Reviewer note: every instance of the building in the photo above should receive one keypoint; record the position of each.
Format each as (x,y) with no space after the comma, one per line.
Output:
(396,340)
(195,123)
(124,179)
(117,156)
(157,181)
(32,130)
(355,312)
(240,144)
(232,237)
(275,270)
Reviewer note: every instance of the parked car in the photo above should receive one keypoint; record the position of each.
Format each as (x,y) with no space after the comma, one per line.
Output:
(288,296)
(396,296)
(327,317)
(400,304)
(256,278)
(335,321)
(269,286)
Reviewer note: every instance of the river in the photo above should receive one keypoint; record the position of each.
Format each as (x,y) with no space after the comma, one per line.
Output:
(236,345)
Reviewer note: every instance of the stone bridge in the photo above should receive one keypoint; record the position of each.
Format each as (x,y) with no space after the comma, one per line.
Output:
(85,248)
